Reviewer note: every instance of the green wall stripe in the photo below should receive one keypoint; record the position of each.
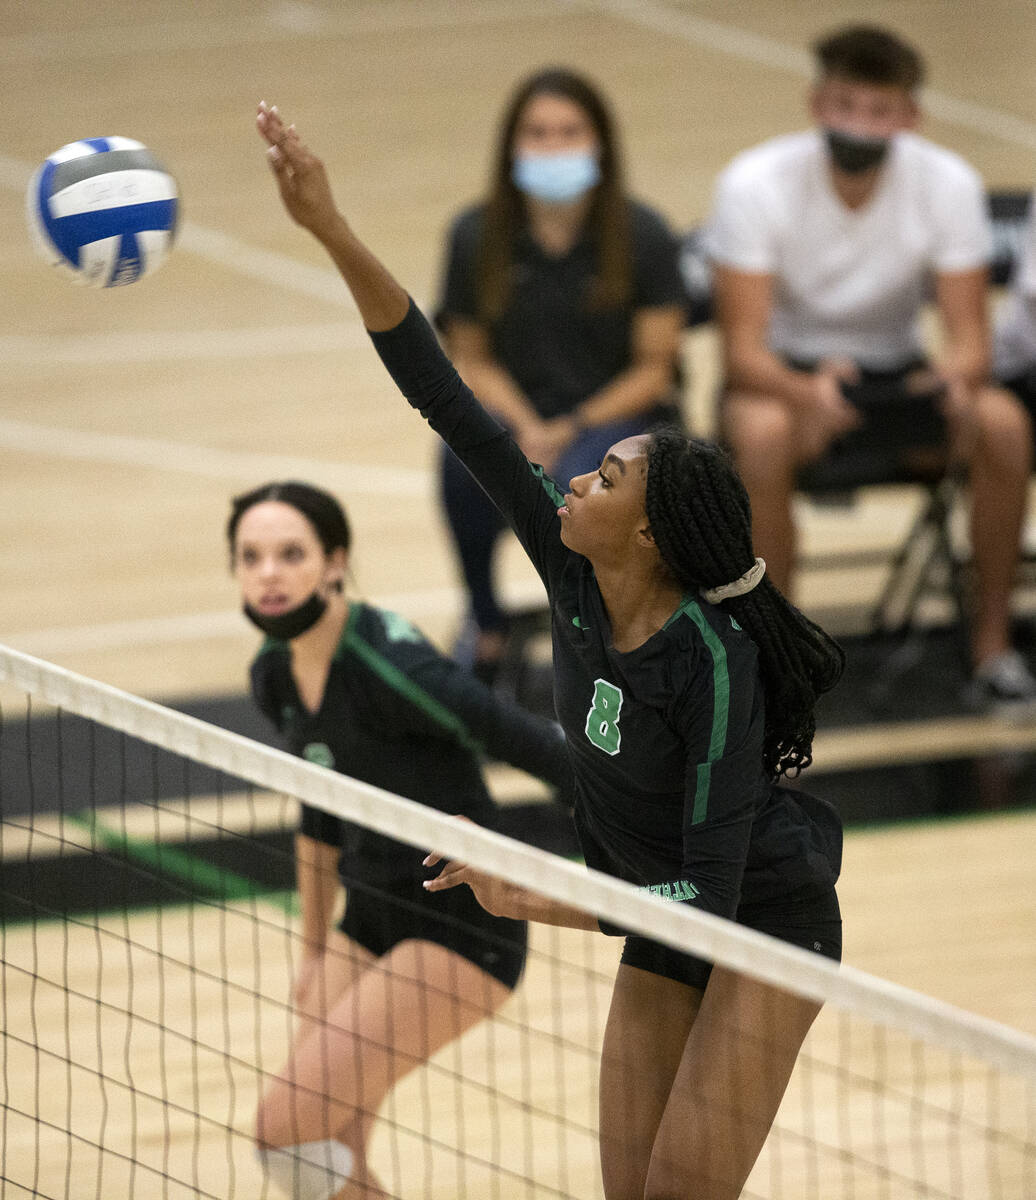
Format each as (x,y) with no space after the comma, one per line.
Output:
(169,861)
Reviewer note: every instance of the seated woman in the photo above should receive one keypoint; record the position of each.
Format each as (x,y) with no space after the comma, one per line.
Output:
(562,306)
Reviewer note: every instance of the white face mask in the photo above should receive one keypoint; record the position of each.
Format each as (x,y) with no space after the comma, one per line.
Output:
(556,178)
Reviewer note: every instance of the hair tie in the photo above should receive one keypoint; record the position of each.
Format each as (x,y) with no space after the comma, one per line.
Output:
(739,587)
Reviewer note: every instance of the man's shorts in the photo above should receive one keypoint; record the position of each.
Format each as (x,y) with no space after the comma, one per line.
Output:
(898,417)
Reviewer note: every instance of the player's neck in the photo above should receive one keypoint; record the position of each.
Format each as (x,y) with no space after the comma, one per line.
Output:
(320,641)
(312,652)
(637,605)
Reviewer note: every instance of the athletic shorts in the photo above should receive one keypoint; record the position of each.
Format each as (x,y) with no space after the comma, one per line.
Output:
(814,924)
(896,419)
(403,911)
(1024,387)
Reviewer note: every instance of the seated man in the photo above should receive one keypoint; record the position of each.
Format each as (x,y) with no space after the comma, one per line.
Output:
(824,246)
(1014,349)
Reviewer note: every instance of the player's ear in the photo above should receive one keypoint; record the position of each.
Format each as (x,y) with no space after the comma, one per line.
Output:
(337,565)
(645,537)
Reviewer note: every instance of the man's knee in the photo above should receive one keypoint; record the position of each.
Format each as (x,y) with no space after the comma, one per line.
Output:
(763,437)
(1004,427)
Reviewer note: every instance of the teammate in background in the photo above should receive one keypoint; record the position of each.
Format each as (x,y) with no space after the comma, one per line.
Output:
(685,684)
(824,244)
(1014,349)
(361,691)
(561,306)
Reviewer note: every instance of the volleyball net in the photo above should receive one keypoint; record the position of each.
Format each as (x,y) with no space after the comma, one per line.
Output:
(150,936)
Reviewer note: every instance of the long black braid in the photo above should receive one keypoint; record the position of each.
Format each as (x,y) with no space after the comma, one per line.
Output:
(701,521)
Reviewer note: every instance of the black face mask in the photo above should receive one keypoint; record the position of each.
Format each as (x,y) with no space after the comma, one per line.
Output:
(290,624)
(853,154)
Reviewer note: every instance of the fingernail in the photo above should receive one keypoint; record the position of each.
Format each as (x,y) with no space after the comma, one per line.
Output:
(425,862)
(427,884)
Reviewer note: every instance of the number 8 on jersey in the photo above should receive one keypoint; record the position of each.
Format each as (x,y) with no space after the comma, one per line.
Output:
(602,721)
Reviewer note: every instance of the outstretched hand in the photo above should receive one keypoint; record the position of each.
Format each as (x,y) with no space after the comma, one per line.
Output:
(301,178)
(497,896)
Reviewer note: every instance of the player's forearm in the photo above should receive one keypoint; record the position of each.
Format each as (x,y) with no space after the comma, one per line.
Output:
(520,904)
(968,359)
(382,302)
(553,912)
(756,370)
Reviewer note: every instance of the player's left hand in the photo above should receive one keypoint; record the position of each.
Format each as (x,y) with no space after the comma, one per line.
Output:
(497,896)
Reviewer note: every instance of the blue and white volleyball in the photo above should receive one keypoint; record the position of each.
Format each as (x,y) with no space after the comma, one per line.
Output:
(103,211)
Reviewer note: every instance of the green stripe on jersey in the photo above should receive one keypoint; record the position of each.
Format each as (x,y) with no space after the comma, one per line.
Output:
(720,704)
(400,682)
(548,484)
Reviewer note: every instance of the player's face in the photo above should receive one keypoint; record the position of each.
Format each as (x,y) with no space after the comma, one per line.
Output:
(865,110)
(554,125)
(279,561)
(605,509)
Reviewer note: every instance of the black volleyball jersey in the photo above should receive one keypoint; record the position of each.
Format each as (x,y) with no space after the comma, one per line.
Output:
(398,714)
(666,740)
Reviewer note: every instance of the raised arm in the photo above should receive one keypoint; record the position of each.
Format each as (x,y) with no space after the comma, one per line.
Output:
(306,192)
(408,347)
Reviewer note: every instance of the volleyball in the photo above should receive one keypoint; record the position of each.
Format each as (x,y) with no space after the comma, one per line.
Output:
(103,211)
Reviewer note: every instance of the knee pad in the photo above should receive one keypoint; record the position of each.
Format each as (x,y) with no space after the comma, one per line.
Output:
(312,1171)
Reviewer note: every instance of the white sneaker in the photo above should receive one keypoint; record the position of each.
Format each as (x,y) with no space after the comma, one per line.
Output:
(1003,683)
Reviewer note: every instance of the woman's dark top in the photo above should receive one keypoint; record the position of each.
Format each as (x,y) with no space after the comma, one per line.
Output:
(398,714)
(665,740)
(556,345)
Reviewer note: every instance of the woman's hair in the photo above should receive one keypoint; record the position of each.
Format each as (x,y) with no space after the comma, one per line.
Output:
(701,521)
(608,221)
(320,508)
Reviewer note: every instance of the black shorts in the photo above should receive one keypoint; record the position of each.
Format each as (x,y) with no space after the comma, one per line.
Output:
(1024,387)
(814,924)
(381,918)
(898,417)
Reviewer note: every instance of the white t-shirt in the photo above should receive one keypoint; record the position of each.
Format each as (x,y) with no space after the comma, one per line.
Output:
(1015,344)
(848,283)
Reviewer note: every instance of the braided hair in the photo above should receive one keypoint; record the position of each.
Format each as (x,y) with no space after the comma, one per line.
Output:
(701,521)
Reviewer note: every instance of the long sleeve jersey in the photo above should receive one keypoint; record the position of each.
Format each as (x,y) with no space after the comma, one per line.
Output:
(398,714)
(665,740)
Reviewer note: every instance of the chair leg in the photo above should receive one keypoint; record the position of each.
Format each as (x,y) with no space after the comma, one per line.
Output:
(927,547)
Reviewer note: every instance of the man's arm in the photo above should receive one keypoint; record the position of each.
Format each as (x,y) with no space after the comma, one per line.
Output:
(962,300)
